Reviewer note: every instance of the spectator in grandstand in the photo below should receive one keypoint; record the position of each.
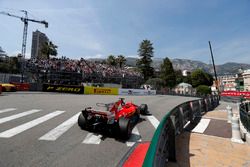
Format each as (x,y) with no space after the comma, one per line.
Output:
(80,66)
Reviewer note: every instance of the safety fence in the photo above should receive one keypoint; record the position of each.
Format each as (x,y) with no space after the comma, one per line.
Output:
(231,99)
(162,147)
(245,115)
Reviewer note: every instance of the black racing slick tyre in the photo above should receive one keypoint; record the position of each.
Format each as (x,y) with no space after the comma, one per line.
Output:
(144,109)
(82,121)
(137,115)
(125,126)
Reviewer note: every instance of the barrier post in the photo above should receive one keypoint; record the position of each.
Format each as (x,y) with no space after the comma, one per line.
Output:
(191,112)
(200,108)
(236,136)
(182,120)
(229,114)
(238,108)
(248,138)
(172,149)
(206,105)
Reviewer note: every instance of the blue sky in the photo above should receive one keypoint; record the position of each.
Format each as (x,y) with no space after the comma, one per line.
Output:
(98,28)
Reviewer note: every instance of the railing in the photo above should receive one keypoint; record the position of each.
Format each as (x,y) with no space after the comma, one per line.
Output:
(245,115)
(162,147)
(231,99)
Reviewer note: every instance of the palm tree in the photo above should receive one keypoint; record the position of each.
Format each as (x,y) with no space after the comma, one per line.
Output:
(49,49)
(121,60)
(111,60)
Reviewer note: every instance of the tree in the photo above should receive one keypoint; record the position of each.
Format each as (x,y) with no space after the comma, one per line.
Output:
(209,78)
(203,90)
(145,52)
(49,49)
(111,60)
(15,66)
(187,79)
(168,73)
(179,76)
(120,60)
(156,83)
(4,67)
(199,77)
(10,65)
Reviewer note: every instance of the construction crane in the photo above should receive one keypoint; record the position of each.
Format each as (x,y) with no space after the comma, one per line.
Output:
(25,20)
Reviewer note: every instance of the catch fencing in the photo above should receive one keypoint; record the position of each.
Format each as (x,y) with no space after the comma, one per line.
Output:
(245,115)
(162,147)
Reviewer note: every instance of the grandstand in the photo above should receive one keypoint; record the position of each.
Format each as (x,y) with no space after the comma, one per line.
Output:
(78,72)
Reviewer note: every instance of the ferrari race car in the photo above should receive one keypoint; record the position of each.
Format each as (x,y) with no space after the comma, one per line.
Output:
(118,117)
(6,87)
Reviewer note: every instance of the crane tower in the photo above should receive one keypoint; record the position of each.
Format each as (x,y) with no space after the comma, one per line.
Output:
(25,20)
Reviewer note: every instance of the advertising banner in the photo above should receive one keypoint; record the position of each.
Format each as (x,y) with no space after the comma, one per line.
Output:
(100,90)
(235,93)
(136,92)
(21,86)
(63,88)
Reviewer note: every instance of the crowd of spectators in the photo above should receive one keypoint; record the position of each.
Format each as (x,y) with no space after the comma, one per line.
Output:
(83,66)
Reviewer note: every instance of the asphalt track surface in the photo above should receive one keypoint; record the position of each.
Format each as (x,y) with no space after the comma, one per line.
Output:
(40,129)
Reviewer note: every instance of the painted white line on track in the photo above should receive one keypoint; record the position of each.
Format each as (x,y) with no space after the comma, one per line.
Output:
(154,121)
(14,131)
(9,118)
(135,137)
(7,110)
(202,126)
(92,138)
(59,130)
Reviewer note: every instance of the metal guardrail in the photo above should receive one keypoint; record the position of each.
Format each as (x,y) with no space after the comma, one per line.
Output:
(162,147)
(231,99)
(245,115)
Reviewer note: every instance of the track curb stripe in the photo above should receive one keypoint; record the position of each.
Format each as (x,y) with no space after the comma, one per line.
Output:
(154,121)
(92,138)
(135,137)
(7,110)
(60,129)
(16,130)
(12,117)
(202,126)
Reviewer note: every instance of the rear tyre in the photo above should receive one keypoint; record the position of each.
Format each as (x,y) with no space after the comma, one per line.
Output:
(137,116)
(144,109)
(82,121)
(125,128)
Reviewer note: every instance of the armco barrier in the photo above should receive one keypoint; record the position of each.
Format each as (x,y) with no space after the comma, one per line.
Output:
(136,92)
(245,115)
(100,90)
(21,86)
(231,99)
(162,147)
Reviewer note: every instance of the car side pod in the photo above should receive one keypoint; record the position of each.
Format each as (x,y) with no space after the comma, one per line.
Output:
(143,108)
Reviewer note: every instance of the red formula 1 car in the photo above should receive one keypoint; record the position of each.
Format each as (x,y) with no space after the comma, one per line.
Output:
(119,117)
